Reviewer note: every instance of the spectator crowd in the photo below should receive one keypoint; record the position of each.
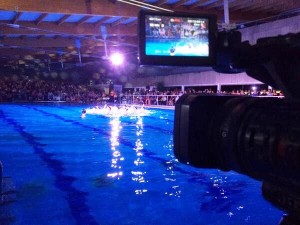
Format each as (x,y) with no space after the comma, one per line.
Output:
(40,90)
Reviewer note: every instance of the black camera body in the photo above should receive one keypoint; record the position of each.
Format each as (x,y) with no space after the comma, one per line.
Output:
(273,60)
(258,137)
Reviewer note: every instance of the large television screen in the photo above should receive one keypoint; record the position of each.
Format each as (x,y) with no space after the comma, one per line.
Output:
(176,39)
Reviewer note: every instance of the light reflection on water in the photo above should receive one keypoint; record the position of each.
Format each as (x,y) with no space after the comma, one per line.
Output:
(138,175)
(116,154)
(170,175)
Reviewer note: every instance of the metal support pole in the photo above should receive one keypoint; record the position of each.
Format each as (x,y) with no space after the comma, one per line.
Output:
(79,56)
(48,61)
(182,88)
(226,12)
(105,48)
(61,62)
(219,88)
(78,45)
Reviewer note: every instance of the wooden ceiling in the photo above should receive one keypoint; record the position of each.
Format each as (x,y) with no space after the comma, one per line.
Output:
(60,30)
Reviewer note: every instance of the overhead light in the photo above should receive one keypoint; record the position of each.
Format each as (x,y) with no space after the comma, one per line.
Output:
(131,3)
(145,5)
(117,59)
(153,6)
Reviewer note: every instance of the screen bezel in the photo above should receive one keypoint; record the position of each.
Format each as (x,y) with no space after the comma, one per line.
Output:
(145,59)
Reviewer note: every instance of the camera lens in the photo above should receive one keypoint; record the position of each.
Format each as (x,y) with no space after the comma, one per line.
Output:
(259,137)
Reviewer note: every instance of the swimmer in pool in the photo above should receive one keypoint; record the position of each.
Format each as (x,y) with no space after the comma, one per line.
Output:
(83,113)
(172,50)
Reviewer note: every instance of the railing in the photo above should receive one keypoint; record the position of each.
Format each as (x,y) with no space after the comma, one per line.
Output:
(165,100)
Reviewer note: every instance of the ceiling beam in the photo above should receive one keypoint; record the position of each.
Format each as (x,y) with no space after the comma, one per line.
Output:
(100,22)
(17,17)
(161,2)
(41,18)
(201,3)
(16,52)
(60,42)
(83,20)
(132,23)
(27,28)
(63,19)
(179,3)
(38,43)
(236,16)
(239,2)
(24,47)
(246,5)
(219,4)
(118,22)
(265,8)
(216,4)
(56,37)
(83,7)
(88,5)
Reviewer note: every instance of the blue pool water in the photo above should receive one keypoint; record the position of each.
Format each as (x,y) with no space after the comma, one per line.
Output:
(183,47)
(99,170)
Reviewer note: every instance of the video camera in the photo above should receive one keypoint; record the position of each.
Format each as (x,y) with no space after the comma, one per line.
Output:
(259,137)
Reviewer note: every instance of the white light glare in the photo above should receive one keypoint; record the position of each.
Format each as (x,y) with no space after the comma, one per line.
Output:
(117,59)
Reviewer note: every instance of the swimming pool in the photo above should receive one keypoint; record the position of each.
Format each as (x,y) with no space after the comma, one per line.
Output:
(100,170)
